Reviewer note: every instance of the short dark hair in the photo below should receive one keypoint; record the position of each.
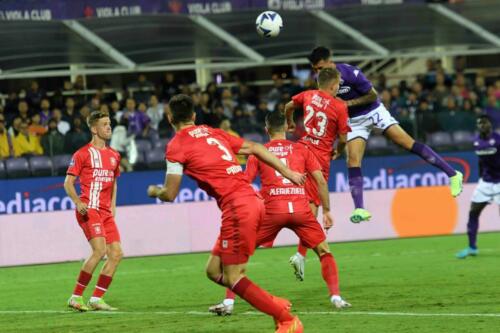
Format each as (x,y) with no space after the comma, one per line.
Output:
(485,116)
(181,108)
(275,121)
(95,116)
(318,54)
(327,75)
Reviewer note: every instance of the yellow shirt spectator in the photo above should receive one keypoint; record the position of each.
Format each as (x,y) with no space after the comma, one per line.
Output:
(26,143)
(4,145)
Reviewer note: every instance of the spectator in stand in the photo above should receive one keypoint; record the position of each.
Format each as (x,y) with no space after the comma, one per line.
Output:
(35,95)
(11,105)
(198,108)
(154,112)
(169,87)
(214,119)
(15,129)
(225,125)
(492,109)
(260,115)
(53,140)
(36,128)
(164,128)
(25,143)
(138,122)
(106,109)
(45,113)
(480,86)
(62,125)
(127,111)
(84,113)
(70,110)
(228,103)
(95,103)
(77,137)
(441,91)
(141,89)
(124,143)
(23,111)
(275,95)
(6,145)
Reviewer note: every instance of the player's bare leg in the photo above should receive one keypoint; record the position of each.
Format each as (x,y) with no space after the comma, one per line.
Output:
(214,273)
(398,135)
(98,246)
(330,274)
(355,152)
(114,254)
(298,260)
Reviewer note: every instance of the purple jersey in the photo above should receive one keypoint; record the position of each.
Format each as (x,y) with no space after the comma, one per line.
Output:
(488,151)
(354,84)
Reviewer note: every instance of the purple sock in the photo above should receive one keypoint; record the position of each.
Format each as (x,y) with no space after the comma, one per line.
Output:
(472,227)
(429,155)
(356,186)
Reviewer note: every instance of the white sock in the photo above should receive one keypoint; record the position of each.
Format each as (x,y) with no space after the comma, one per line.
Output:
(300,256)
(335,298)
(228,301)
(94,299)
(75,295)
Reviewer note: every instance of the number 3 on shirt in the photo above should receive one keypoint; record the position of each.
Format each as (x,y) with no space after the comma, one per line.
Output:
(322,120)
(227,155)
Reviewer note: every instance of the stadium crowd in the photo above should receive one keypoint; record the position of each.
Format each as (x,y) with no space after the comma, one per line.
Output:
(31,123)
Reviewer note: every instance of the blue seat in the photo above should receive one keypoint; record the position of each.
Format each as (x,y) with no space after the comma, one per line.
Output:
(17,168)
(41,166)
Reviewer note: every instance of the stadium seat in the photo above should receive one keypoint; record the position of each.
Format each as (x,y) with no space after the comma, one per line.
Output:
(254,137)
(377,145)
(143,145)
(17,167)
(155,159)
(60,164)
(440,140)
(140,163)
(463,139)
(3,173)
(40,166)
(161,143)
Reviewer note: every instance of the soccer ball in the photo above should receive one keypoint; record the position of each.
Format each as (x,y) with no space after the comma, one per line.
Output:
(269,24)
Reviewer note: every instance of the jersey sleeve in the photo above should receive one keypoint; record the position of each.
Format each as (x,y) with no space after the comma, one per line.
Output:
(174,152)
(252,168)
(361,83)
(75,165)
(312,163)
(118,160)
(234,142)
(343,119)
(298,100)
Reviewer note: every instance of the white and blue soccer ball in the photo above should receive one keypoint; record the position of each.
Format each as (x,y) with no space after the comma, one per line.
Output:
(269,24)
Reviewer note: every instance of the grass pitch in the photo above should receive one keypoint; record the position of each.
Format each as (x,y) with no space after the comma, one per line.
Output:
(409,285)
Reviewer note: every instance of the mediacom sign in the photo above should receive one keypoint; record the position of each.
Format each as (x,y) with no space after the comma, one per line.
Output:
(380,173)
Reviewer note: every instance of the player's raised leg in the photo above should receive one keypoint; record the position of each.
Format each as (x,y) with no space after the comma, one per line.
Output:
(472,228)
(355,152)
(397,135)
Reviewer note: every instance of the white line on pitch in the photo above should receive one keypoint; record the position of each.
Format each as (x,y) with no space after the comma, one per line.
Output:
(253,313)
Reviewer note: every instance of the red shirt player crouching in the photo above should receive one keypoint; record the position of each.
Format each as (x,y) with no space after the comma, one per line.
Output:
(97,166)
(287,205)
(208,156)
(325,121)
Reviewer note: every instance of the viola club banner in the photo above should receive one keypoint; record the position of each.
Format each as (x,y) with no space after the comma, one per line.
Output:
(380,173)
(46,10)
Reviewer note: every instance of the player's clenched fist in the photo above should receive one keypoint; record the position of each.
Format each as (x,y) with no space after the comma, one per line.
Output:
(327,220)
(153,191)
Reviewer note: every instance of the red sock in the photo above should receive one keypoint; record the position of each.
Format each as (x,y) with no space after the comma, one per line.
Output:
(302,249)
(82,283)
(102,285)
(260,299)
(330,274)
(230,294)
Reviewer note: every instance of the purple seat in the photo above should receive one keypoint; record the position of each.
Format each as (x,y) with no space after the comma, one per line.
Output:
(155,158)
(140,163)
(161,143)
(60,164)
(463,137)
(17,167)
(41,166)
(440,139)
(143,145)
(3,173)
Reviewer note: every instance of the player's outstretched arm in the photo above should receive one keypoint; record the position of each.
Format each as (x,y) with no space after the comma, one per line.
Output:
(113,198)
(369,98)
(169,190)
(253,148)
(341,144)
(324,197)
(69,187)
(289,109)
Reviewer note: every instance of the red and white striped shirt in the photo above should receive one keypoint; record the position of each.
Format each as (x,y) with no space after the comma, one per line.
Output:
(97,170)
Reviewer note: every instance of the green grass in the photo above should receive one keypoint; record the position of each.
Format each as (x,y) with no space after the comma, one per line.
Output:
(382,279)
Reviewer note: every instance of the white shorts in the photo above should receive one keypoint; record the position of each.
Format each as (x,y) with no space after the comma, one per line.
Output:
(486,192)
(361,126)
